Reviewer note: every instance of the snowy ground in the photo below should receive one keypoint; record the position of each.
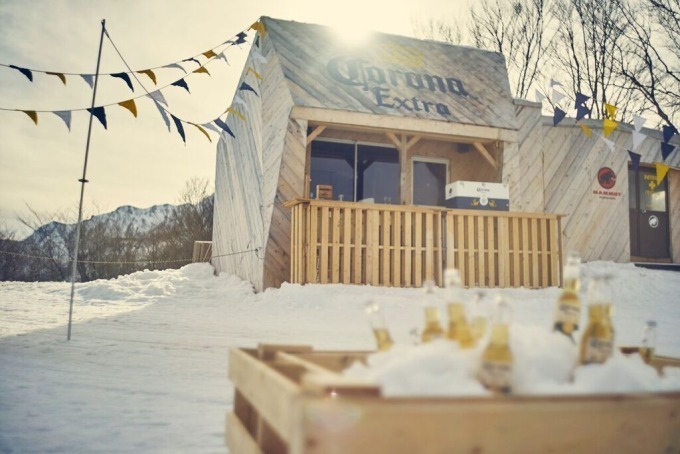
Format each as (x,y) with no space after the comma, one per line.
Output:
(146,368)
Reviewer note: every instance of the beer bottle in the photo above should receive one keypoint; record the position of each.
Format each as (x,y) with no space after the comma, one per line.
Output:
(648,343)
(568,307)
(378,325)
(480,316)
(459,329)
(495,371)
(433,328)
(597,342)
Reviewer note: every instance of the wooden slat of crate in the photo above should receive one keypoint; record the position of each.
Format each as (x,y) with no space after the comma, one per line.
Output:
(408,249)
(429,247)
(347,245)
(374,264)
(386,248)
(525,246)
(313,245)
(335,246)
(238,438)
(397,252)
(491,251)
(481,257)
(359,250)
(516,248)
(535,282)
(543,230)
(555,252)
(418,250)
(471,244)
(324,245)
(461,243)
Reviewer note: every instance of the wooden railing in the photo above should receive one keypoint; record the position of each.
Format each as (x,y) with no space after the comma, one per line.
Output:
(402,246)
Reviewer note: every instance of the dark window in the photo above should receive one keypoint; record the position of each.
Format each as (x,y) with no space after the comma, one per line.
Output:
(373,170)
(429,183)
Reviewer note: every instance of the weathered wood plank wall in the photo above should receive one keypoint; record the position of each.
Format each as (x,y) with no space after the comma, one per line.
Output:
(674,215)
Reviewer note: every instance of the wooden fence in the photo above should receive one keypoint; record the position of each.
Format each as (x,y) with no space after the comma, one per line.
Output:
(402,246)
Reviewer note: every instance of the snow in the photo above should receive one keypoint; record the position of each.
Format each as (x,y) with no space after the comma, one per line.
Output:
(146,368)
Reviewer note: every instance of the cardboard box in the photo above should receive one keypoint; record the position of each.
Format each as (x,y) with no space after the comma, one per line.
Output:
(476,195)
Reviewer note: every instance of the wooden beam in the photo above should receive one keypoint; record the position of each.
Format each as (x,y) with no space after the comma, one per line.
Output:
(395,140)
(436,129)
(314,134)
(414,140)
(485,154)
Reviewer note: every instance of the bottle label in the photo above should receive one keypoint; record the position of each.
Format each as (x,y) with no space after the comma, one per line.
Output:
(496,374)
(597,350)
(567,313)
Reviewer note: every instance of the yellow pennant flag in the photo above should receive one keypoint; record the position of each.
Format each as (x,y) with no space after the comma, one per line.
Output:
(59,75)
(661,171)
(255,73)
(129,105)
(611,110)
(236,112)
(201,70)
(609,126)
(203,131)
(258,26)
(149,73)
(586,130)
(33,114)
(209,54)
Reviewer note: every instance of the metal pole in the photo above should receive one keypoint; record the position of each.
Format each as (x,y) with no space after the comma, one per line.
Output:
(83,180)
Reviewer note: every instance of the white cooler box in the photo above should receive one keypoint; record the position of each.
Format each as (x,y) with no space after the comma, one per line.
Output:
(475,195)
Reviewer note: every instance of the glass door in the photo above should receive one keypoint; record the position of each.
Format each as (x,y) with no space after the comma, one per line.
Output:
(648,204)
(429,181)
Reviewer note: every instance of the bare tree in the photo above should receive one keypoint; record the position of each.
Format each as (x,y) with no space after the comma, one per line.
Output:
(445,30)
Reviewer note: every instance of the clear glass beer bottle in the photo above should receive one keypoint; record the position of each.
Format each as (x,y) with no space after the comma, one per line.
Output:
(648,344)
(377,321)
(496,366)
(597,342)
(459,329)
(433,327)
(568,306)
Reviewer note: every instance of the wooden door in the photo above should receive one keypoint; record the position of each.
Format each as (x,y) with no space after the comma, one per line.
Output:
(649,228)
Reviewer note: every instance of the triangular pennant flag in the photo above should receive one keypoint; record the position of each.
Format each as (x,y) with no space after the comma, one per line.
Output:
(181,83)
(257,56)
(211,127)
(638,121)
(33,114)
(661,171)
(202,69)
(609,143)
(580,99)
(209,54)
(158,96)
(193,59)
(203,131)
(26,72)
(245,86)
(557,96)
(634,159)
(255,73)
(638,138)
(539,96)
(258,26)
(586,130)
(66,116)
(611,110)
(581,112)
(240,38)
(175,65)
(89,79)
(59,75)
(666,149)
(668,132)
(236,112)
(558,116)
(554,83)
(224,126)
(180,128)
(149,73)
(239,100)
(609,126)
(163,114)
(125,77)
(100,114)
(129,105)
(223,56)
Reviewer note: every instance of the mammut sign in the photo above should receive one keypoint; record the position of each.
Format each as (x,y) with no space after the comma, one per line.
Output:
(379,81)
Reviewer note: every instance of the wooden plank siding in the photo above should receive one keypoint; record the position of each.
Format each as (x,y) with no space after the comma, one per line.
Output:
(674,214)
(393,245)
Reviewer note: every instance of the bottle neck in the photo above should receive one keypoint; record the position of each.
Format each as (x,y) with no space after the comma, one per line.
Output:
(500,334)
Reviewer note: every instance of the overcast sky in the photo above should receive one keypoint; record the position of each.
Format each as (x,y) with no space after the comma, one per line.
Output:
(136,161)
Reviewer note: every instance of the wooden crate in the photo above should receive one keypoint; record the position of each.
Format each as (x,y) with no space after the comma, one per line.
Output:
(291,399)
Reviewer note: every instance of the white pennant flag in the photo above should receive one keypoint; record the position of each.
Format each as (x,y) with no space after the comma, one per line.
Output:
(163,114)
(259,57)
(554,83)
(66,116)
(239,100)
(609,143)
(539,96)
(212,127)
(557,97)
(158,96)
(638,138)
(638,121)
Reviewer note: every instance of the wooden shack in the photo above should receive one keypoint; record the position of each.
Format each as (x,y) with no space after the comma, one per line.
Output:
(339,157)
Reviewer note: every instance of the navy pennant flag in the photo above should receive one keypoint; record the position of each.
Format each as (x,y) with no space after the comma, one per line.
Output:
(180,129)
(240,38)
(224,126)
(668,133)
(634,159)
(245,86)
(26,72)
(581,112)
(193,59)
(558,116)
(100,114)
(580,99)
(181,83)
(666,150)
(126,78)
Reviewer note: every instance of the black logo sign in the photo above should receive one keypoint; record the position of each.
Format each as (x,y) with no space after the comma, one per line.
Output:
(606,177)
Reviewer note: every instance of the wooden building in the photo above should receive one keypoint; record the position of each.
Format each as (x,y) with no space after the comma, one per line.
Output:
(337,167)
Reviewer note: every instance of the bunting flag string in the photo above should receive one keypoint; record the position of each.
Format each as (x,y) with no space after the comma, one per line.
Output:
(586,130)
(666,150)
(661,171)
(634,159)
(558,116)
(216,52)
(609,126)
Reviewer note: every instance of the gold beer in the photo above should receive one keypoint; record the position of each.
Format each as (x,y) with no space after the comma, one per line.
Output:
(648,343)
(433,328)
(383,339)
(598,338)
(496,367)
(568,307)
(459,330)
(377,321)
